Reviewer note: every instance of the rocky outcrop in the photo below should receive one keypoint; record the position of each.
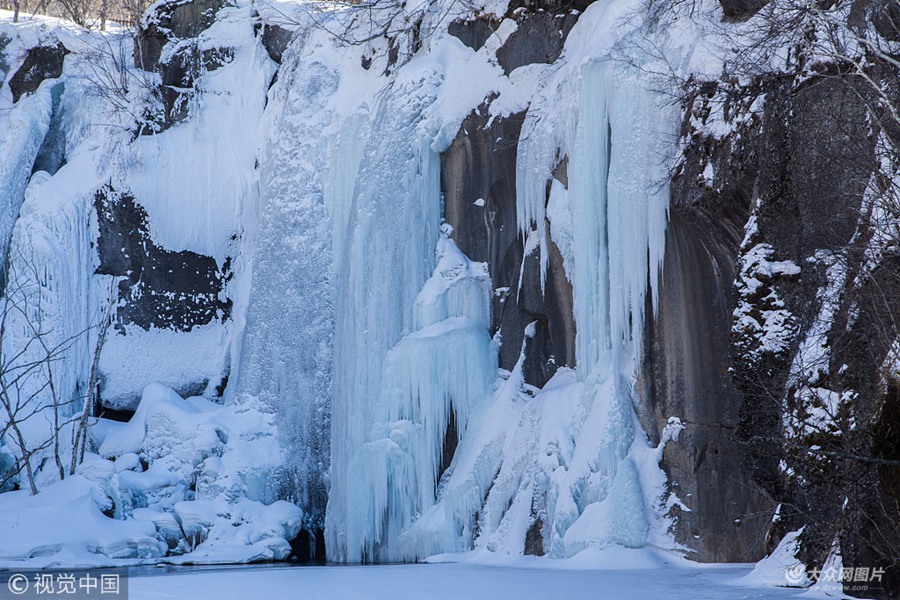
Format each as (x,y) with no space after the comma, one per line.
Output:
(740,9)
(275,39)
(782,413)
(166,43)
(539,38)
(171,21)
(41,62)
(158,288)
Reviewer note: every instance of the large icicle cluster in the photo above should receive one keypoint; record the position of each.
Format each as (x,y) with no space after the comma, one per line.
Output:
(387,254)
(410,352)
(572,465)
(432,377)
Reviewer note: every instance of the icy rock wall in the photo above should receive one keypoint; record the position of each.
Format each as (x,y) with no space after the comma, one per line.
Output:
(21,140)
(359,323)
(393,344)
(413,364)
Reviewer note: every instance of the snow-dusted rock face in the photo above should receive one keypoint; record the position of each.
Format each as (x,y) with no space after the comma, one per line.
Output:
(41,62)
(464,285)
(740,9)
(773,199)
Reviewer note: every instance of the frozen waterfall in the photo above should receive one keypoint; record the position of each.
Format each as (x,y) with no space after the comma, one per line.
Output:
(402,361)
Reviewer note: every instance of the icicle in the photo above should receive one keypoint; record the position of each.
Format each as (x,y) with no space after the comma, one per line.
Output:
(444,368)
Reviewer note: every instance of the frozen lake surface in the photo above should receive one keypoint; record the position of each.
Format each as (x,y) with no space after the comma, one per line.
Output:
(454,580)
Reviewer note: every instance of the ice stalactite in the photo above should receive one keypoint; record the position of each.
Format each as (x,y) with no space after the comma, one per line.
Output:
(26,126)
(434,376)
(619,205)
(619,201)
(57,297)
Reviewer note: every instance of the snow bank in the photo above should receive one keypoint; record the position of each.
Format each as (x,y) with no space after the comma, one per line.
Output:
(174,484)
(65,525)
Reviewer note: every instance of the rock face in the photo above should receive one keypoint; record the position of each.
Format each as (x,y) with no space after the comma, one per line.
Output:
(275,40)
(478,179)
(803,331)
(159,288)
(741,8)
(177,24)
(811,188)
(538,39)
(686,368)
(41,62)
(686,374)
(170,21)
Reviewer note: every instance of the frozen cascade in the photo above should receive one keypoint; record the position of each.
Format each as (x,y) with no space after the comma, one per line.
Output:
(619,209)
(446,366)
(51,272)
(286,366)
(21,137)
(363,330)
(387,255)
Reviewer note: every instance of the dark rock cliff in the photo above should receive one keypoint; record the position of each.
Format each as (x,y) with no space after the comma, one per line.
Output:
(794,397)
(478,177)
(41,62)
(157,287)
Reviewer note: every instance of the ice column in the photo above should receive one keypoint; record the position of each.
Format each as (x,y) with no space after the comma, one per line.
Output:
(285,355)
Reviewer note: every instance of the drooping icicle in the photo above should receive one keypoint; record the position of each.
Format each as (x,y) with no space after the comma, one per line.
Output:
(619,203)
